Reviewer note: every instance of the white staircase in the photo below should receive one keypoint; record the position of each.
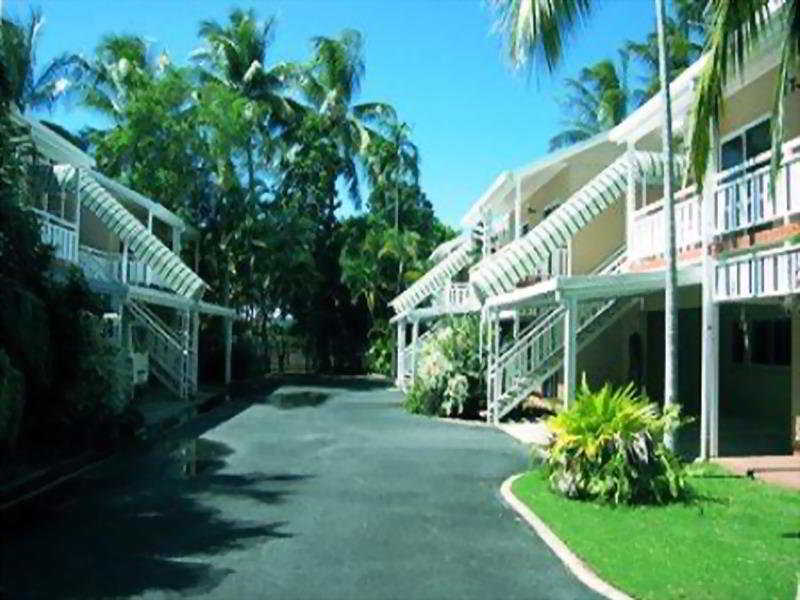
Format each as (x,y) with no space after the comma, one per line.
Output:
(172,353)
(407,376)
(522,366)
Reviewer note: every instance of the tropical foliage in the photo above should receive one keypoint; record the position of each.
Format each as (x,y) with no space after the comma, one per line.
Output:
(608,447)
(450,374)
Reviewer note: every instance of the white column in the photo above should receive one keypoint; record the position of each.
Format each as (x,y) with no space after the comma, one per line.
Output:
(516,325)
(795,412)
(709,367)
(124,263)
(414,350)
(570,350)
(228,348)
(630,205)
(76,256)
(176,240)
(147,277)
(401,347)
(517,207)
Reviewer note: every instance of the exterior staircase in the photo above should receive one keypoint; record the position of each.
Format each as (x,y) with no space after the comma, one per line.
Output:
(522,366)
(171,351)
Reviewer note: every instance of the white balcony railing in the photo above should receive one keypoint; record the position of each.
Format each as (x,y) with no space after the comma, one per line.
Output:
(761,274)
(743,198)
(60,234)
(455,297)
(110,266)
(648,226)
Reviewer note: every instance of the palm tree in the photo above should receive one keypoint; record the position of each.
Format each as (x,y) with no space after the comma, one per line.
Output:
(234,56)
(736,30)
(685,37)
(330,84)
(18,56)
(538,30)
(595,102)
(122,65)
(393,162)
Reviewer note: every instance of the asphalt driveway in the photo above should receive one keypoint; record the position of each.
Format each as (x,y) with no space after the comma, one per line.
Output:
(310,492)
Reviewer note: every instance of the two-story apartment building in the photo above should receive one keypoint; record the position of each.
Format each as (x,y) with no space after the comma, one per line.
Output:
(601,203)
(129,247)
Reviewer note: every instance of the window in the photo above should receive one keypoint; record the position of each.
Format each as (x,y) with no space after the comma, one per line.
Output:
(770,342)
(746,145)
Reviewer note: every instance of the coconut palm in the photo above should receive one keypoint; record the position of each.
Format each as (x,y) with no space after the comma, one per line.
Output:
(21,85)
(537,31)
(736,30)
(595,102)
(392,162)
(330,84)
(122,65)
(685,37)
(234,56)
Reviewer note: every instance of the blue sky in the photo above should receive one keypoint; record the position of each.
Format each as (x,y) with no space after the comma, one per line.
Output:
(435,61)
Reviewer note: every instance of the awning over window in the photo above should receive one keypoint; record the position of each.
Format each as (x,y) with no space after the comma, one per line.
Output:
(145,246)
(502,271)
(436,278)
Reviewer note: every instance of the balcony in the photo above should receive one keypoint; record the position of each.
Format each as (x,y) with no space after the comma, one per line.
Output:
(60,234)
(456,297)
(743,198)
(112,266)
(758,275)
(649,229)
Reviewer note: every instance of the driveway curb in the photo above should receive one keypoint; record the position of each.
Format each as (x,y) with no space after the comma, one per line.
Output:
(579,568)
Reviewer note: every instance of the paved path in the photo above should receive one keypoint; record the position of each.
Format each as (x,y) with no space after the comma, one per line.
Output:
(311,493)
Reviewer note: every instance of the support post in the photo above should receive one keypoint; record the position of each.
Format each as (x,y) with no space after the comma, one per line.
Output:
(228,348)
(794,421)
(124,264)
(517,207)
(401,348)
(570,350)
(147,270)
(414,350)
(630,205)
(709,369)
(76,255)
(516,325)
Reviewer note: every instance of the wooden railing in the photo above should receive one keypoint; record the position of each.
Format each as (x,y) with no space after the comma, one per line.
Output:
(111,266)
(60,234)
(743,197)
(456,297)
(648,225)
(774,272)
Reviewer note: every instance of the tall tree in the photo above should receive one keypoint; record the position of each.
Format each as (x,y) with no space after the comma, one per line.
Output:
(595,102)
(23,86)
(538,29)
(234,56)
(736,30)
(685,36)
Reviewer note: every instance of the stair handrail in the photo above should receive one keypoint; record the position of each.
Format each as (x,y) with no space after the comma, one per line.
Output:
(155,323)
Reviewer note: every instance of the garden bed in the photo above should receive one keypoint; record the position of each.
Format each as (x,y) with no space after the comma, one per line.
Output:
(736,538)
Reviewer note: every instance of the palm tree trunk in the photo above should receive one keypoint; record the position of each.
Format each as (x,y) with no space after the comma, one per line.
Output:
(251,171)
(670,286)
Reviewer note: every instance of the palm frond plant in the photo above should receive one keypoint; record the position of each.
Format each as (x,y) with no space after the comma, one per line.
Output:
(608,447)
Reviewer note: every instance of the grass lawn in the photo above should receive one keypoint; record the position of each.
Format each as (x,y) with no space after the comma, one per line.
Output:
(738,539)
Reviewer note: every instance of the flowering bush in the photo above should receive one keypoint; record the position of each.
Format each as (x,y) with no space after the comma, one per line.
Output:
(450,374)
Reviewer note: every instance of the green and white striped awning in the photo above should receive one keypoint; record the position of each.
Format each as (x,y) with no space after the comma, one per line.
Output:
(145,246)
(502,271)
(434,279)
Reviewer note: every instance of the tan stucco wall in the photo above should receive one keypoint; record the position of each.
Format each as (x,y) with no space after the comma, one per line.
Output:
(754,101)
(595,242)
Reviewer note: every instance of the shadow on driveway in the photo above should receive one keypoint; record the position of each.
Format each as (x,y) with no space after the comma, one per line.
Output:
(143,523)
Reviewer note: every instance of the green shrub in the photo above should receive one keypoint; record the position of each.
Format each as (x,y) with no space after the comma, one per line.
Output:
(379,354)
(608,447)
(450,374)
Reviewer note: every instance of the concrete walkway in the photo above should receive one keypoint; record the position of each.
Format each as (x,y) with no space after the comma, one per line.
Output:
(780,470)
(311,492)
